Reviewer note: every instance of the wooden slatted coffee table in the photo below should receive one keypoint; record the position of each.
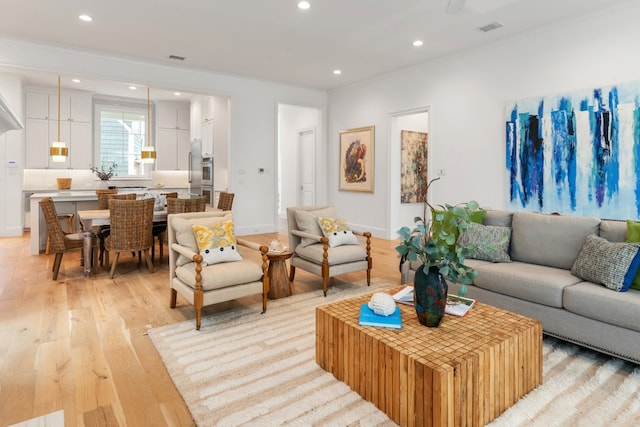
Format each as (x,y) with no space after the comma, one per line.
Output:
(465,372)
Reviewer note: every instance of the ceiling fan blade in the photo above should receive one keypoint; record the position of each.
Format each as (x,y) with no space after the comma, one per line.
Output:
(455,6)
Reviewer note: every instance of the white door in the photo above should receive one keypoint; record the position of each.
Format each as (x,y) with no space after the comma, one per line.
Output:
(307,167)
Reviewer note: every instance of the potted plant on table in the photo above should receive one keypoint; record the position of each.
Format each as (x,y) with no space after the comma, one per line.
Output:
(433,243)
(105,174)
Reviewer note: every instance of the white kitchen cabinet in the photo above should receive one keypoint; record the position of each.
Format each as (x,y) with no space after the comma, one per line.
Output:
(77,136)
(36,143)
(172,146)
(41,128)
(207,138)
(173,115)
(72,108)
(37,105)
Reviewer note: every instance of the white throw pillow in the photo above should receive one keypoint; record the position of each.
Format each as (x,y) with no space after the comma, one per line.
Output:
(216,243)
(337,231)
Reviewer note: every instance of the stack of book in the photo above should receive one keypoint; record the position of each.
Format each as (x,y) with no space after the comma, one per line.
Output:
(456,305)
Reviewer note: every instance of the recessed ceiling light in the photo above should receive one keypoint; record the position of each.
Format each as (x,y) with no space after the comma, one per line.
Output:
(76,80)
(177,93)
(85,18)
(304,5)
(133,87)
(418,43)
(337,72)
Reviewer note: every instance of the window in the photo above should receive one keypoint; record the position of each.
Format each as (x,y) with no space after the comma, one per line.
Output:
(121,132)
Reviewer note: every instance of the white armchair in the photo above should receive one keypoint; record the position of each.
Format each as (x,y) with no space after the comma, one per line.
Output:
(202,284)
(312,250)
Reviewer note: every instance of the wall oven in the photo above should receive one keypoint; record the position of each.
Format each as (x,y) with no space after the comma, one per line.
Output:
(209,194)
(207,171)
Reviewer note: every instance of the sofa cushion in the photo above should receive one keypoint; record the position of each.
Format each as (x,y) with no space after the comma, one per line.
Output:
(614,230)
(613,264)
(491,243)
(308,222)
(337,255)
(221,275)
(498,218)
(534,283)
(551,240)
(597,302)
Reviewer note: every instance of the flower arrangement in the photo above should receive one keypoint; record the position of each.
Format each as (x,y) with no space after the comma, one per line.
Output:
(433,242)
(105,174)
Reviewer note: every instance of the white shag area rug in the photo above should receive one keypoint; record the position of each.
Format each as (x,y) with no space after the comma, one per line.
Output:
(244,368)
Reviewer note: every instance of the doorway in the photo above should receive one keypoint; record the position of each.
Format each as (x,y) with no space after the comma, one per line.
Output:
(401,214)
(299,159)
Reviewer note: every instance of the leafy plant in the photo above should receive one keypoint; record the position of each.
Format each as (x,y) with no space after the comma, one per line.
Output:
(436,246)
(105,174)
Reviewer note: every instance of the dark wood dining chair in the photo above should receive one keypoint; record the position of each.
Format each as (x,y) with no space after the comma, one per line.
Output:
(61,242)
(131,229)
(225,201)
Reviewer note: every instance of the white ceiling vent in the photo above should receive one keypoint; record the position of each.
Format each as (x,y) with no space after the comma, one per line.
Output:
(490,27)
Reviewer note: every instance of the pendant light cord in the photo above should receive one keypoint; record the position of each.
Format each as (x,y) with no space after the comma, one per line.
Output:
(58,108)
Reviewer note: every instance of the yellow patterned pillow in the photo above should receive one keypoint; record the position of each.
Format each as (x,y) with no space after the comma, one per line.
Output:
(217,243)
(337,231)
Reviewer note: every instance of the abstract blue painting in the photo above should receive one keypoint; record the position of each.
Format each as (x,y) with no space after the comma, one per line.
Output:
(577,153)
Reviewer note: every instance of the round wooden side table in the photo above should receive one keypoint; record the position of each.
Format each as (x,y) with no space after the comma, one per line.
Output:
(279,285)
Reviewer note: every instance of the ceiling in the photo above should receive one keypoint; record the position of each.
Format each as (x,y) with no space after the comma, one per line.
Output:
(274,40)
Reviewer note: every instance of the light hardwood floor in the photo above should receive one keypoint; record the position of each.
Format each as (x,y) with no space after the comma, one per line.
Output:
(81,345)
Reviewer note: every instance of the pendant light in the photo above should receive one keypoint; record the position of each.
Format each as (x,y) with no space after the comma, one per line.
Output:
(148,154)
(58,150)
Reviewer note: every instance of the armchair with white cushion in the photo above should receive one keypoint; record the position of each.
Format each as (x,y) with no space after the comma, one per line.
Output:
(324,245)
(205,264)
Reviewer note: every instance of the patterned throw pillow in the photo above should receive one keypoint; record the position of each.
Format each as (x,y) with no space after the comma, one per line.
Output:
(613,264)
(337,231)
(491,242)
(217,243)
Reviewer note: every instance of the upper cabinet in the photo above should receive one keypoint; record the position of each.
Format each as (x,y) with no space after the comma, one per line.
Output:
(41,128)
(173,115)
(172,135)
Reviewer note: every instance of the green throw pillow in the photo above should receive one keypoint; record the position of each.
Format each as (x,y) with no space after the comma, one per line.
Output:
(633,236)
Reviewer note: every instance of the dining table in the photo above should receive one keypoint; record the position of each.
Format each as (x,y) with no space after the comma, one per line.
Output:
(95,218)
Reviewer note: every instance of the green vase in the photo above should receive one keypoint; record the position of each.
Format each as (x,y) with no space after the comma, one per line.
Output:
(430,296)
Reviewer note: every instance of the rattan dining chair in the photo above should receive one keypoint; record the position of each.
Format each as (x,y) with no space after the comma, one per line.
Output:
(131,229)
(175,206)
(103,203)
(61,242)
(225,201)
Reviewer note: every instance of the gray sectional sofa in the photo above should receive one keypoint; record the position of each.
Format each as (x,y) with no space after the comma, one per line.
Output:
(539,283)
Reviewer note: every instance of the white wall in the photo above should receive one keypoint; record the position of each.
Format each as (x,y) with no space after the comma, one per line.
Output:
(11,150)
(466,95)
(252,116)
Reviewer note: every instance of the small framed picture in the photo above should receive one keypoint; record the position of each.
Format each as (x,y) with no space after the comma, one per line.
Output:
(356,159)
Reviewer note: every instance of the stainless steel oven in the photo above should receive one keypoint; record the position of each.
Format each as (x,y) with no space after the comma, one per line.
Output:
(209,194)
(207,171)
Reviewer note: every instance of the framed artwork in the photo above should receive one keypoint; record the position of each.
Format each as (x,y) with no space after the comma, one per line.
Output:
(576,153)
(356,159)
(413,166)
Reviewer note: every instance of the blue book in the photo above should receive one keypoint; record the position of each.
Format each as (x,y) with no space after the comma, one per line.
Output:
(369,318)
